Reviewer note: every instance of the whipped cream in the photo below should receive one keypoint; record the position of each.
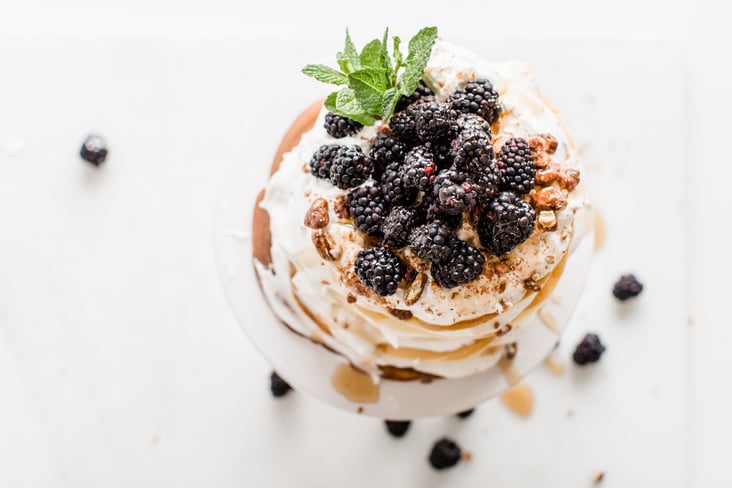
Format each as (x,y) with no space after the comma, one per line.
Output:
(452,332)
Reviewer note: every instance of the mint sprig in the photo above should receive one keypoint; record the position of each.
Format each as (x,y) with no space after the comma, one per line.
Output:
(373,82)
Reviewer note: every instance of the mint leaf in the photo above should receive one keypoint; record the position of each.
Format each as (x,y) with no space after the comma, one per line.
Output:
(389,101)
(371,55)
(373,84)
(420,49)
(398,59)
(348,59)
(326,74)
(385,50)
(344,103)
(369,86)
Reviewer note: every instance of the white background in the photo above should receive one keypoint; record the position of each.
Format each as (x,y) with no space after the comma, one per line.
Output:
(702,31)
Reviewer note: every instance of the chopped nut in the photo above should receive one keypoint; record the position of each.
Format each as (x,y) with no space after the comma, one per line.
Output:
(532,285)
(325,245)
(543,143)
(415,289)
(510,351)
(542,159)
(547,176)
(400,314)
(547,220)
(317,215)
(550,198)
(571,179)
(598,476)
(351,298)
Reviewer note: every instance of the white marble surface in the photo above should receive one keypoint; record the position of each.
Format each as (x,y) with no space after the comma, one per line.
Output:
(120,363)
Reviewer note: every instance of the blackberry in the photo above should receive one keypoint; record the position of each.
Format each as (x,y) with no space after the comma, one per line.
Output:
(94,150)
(466,413)
(428,211)
(384,150)
(445,454)
(472,151)
(419,169)
(486,184)
(433,121)
(380,269)
(395,189)
(403,125)
(350,168)
(464,265)
(588,350)
(478,97)
(397,225)
(322,160)
(442,152)
(422,92)
(516,166)
(455,192)
(397,428)
(473,122)
(367,207)
(339,127)
(278,386)
(431,241)
(507,222)
(627,287)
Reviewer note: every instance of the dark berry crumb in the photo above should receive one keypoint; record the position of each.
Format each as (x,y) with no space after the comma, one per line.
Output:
(445,454)
(278,386)
(397,428)
(588,350)
(627,287)
(466,413)
(338,126)
(380,269)
(94,150)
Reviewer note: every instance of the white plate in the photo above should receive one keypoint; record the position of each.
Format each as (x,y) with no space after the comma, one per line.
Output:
(308,367)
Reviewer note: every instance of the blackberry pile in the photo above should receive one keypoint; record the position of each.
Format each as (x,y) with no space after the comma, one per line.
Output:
(430,171)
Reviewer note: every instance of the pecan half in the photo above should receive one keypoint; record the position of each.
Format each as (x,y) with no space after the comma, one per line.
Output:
(317,215)
(325,245)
